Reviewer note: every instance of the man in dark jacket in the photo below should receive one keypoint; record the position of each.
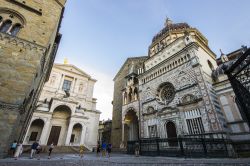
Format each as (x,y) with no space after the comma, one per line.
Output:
(33,148)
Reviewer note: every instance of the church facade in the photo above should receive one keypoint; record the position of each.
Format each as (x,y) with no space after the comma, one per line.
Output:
(29,39)
(66,112)
(170,92)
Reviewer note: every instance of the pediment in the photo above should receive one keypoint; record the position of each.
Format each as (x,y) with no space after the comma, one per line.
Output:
(71,68)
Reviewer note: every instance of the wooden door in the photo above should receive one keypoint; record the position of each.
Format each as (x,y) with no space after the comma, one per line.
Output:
(172,135)
(54,135)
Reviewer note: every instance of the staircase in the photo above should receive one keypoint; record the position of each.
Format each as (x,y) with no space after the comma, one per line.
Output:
(57,149)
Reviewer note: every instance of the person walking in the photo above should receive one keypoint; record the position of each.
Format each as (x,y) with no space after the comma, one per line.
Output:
(13,147)
(81,151)
(109,147)
(19,150)
(51,147)
(98,149)
(33,149)
(137,149)
(104,146)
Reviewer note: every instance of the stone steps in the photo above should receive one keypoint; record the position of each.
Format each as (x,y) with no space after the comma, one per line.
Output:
(57,149)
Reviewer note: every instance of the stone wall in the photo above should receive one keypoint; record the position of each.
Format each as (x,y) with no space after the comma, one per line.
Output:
(26,60)
(119,85)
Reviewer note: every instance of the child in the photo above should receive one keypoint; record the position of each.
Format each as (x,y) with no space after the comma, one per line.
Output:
(13,147)
(81,151)
(51,147)
(98,149)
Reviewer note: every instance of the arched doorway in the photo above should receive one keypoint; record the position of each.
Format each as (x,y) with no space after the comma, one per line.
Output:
(131,126)
(60,122)
(75,138)
(35,131)
(171,134)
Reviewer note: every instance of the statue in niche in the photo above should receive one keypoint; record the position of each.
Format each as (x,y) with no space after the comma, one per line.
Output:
(188,98)
(148,94)
(223,57)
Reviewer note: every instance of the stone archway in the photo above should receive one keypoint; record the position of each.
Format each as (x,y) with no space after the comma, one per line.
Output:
(131,128)
(35,131)
(75,138)
(59,125)
(171,133)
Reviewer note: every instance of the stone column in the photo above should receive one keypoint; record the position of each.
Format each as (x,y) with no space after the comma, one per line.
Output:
(83,135)
(25,141)
(61,82)
(45,133)
(72,88)
(123,123)
(8,31)
(70,128)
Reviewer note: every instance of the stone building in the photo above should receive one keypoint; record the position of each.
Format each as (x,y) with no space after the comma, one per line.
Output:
(66,111)
(104,131)
(237,124)
(29,38)
(170,92)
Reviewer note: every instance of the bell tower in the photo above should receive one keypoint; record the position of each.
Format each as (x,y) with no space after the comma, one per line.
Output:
(29,39)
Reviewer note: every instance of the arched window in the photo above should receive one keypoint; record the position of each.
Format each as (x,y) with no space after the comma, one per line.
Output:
(5,27)
(15,29)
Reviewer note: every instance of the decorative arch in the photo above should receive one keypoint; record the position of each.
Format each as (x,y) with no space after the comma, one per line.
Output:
(12,21)
(130,109)
(35,130)
(171,133)
(63,107)
(14,13)
(62,104)
(76,133)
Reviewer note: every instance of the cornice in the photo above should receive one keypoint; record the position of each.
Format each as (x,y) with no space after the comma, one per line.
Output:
(23,5)
(21,43)
(9,106)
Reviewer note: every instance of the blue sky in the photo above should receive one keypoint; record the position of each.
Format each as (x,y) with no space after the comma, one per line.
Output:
(98,35)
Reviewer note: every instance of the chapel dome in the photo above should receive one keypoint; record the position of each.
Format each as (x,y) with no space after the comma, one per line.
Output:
(170,26)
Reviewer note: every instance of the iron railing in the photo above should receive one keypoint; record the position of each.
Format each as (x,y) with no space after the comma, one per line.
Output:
(239,77)
(182,147)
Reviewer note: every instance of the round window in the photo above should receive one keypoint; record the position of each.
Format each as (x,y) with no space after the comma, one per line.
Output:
(165,93)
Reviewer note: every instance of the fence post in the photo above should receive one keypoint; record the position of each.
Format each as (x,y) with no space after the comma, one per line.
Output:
(225,144)
(181,146)
(158,148)
(140,147)
(204,146)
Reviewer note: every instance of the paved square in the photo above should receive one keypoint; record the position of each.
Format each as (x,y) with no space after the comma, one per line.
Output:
(90,159)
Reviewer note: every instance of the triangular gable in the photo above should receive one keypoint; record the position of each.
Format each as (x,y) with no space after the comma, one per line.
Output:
(128,60)
(71,68)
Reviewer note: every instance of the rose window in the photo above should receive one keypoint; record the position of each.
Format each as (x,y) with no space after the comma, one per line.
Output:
(165,93)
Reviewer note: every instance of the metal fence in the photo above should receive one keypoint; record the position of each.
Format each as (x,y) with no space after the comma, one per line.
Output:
(239,77)
(182,147)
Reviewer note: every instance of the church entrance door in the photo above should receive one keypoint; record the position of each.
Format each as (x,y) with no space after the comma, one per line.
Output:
(132,126)
(54,135)
(171,133)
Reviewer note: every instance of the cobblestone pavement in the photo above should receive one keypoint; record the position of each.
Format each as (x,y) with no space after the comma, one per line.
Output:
(91,159)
